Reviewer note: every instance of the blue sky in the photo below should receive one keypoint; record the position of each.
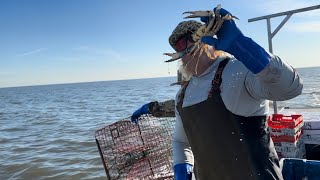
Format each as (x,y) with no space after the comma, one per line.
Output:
(64,41)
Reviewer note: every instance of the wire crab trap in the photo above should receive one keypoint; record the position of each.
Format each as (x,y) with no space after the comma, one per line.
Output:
(143,151)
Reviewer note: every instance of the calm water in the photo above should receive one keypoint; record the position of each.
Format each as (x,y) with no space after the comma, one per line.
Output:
(47,132)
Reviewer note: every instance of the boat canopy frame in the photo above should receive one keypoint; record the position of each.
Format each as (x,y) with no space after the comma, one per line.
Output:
(288,14)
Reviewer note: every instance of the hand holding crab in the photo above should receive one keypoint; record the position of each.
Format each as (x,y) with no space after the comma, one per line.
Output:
(219,23)
(214,21)
(225,35)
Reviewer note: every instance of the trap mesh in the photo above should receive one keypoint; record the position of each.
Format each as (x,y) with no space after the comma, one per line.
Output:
(143,151)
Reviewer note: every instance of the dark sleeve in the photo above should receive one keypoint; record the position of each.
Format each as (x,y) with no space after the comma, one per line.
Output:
(162,109)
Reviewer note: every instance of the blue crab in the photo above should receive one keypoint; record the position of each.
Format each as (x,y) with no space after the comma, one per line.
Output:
(214,23)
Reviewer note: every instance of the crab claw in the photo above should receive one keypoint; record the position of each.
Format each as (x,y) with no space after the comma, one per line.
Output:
(229,17)
(174,56)
(197,14)
(169,54)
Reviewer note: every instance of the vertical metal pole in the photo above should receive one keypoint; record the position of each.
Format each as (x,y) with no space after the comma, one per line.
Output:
(275,108)
(270,34)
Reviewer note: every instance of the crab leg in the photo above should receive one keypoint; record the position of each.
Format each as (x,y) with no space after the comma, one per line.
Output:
(210,28)
(174,56)
(197,14)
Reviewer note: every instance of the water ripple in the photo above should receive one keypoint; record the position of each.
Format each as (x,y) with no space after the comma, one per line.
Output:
(47,132)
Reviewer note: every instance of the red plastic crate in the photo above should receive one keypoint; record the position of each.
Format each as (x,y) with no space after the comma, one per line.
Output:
(282,121)
(286,131)
(286,138)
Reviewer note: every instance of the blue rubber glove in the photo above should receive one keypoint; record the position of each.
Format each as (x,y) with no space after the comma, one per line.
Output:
(230,39)
(183,171)
(142,110)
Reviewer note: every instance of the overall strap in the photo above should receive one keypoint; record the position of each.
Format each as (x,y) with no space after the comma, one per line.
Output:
(181,96)
(216,82)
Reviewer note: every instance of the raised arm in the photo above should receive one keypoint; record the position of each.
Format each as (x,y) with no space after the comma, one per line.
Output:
(278,81)
(270,77)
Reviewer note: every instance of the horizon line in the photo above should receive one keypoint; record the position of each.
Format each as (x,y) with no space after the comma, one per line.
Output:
(80,82)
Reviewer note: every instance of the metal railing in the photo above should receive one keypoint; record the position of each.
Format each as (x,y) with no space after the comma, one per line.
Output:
(288,14)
